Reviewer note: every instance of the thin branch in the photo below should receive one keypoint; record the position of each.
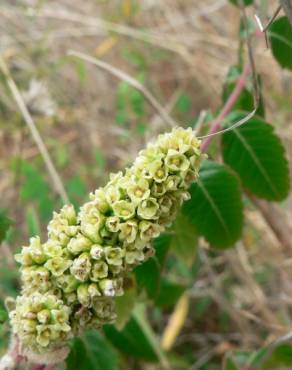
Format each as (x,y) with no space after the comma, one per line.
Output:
(130,80)
(276,220)
(264,29)
(34,131)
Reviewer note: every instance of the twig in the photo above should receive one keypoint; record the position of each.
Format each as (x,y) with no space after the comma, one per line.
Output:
(275,219)
(264,29)
(34,131)
(130,80)
(216,125)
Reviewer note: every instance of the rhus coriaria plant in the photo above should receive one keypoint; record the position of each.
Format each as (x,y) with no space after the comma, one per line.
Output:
(71,280)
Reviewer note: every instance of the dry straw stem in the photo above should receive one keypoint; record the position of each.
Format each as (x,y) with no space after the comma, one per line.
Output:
(130,80)
(175,323)
(34,131)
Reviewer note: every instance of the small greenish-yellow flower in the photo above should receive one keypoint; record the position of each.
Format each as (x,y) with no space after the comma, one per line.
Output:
(124,209)
(58,265)
(63,225)
(114,256)
(148,209)
(105,309)
(67,282)
(188,177)
(165,204)
(24,257)
(37,251)
(86,293)
(59,316)
(112,224)
(99,271)
(44,335)
(116,269)
(83,295)
(118,284)
(138,190)
(157,190)
(91,231)
(99,200)
(70,298)
(81,267)
(158,171)
(68,213)
(44,316)
(79,244)
(53,249)
(134,256)
(149,230)
(128,231)
(92,220)
(82,319)
(35,278)
(108,237)
(93,291)
(96,252)
(29,326)
(107,287)
(176,161)
(172,183)
(112,194)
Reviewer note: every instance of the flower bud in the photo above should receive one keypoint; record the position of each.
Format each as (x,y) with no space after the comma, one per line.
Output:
(96,252)
(79,244)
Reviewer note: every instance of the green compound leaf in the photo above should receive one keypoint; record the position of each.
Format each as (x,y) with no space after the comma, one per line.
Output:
(92,352)
(245,2)
(256,153)
(280,34)
(215,207)
(4,224)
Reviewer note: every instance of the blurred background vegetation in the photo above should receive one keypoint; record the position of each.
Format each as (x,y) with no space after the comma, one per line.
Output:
(93,124)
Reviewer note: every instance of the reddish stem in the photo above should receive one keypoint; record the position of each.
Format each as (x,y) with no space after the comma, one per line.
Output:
(216,125)
(38,367)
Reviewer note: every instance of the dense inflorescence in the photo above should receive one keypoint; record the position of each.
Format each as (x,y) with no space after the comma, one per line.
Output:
(70,282)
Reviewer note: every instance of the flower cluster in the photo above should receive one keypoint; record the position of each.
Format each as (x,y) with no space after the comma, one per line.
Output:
(70,281)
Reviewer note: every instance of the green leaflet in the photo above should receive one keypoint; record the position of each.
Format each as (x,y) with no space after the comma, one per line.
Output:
(256,153)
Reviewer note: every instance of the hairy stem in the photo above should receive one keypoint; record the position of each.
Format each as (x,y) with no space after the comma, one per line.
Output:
(230,103)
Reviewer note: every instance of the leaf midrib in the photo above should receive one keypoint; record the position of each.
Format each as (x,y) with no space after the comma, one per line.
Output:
(215,208)
(257,161)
